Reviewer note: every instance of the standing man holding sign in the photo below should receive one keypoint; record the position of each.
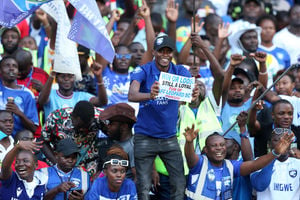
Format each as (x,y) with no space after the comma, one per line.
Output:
(155,129)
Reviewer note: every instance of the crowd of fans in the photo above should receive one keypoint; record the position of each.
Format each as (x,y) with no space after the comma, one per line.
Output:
(111,135)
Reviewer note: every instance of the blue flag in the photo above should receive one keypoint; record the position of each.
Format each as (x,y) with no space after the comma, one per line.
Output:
(14,11)
(88,29)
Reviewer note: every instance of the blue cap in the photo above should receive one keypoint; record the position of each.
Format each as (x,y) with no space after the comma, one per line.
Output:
(233,135)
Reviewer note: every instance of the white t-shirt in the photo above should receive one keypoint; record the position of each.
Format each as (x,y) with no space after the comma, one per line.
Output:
(289,42)
(4,151)
(285,181)
(295,101)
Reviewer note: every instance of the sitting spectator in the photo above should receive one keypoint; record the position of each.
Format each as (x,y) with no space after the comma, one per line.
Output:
(114,185)
(65,181)
(26,183)
(279,179)
(82,124)
(16,98)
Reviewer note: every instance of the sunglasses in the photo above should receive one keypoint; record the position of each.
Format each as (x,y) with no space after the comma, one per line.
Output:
(121,56)
(279,131)
(123,163)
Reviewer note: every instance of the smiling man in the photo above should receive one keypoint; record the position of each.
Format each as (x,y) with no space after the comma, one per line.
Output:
(155,129)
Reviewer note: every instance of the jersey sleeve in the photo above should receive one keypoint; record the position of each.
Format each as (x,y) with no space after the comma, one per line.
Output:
(138,74)
(30,110)
(260,180)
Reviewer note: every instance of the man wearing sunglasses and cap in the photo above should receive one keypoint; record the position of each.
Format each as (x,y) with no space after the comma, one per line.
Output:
(155,129)
(281,178)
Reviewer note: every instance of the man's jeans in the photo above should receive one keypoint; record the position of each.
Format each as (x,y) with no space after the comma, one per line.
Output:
(145,150)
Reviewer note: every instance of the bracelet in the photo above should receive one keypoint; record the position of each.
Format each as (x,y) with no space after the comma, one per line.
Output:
(244,135)
(263,73)
(99,84)
(46,26)
(275,154)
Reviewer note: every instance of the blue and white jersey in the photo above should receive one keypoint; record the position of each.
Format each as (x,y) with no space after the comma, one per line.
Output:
(117,86)
(57,101)
(100,190)
(156,118)
(15,188)
(206,77)
(278,180)
(55,177)
(280,54)
(25,101)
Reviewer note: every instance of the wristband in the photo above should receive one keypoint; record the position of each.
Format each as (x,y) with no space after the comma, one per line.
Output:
(245,135)
(263,73)
(275,154)
(99,84)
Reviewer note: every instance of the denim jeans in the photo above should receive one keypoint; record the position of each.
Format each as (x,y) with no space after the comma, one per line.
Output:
(145,150)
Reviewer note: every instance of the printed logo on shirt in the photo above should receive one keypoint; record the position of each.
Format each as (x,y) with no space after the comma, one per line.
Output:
(293,173)
(283,187)
(19,191)
(137,70)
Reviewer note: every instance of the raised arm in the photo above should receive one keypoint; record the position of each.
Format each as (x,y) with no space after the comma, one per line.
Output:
(6,170)
(172,16)
(115,16)
(261,57)
(280,148)
(235,60)
(223,33)
(216,69)
(101,99)
(189,150)
(144,12)
(245,143)
(45,93)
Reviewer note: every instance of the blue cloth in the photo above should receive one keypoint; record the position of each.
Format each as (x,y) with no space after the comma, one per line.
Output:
(206,77)
(229,114)
(89,22)
(117,86)
(100,190)
(14,189)
(74,176)
(242,188)
(260,180)
(25,101)
(156,118)
(220,174)
(57,101)
(280,54)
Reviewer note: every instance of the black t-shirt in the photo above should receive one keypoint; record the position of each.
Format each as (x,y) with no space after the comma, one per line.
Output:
(264,135)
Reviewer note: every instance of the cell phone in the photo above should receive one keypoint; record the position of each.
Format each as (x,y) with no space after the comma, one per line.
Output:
(78,190)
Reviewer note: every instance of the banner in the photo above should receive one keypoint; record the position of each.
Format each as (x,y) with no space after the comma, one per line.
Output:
(14,11)
(66,58)
(176,87)
(88,29)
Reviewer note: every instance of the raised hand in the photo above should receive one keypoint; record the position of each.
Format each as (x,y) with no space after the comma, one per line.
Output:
(259,56)
(97,68)
(30,145)
(154,90)
(172,11)
(242,119)
(190,133)
(12,107)
(37,85)
(196,93)
(197,21)
(236,59)
(223,30)
(144,10)
(197,41)
(115,14)
(42,16)
(283,145)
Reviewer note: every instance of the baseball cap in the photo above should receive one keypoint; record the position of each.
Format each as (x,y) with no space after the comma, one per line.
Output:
(233,135)
(119,112)
(67,147)
(235,78)
(250,75)
(259,3)
(164,41)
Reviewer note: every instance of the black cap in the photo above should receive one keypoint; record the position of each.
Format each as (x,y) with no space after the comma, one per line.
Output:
(249,74)
(67,147)
(163,41)
(235,78)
